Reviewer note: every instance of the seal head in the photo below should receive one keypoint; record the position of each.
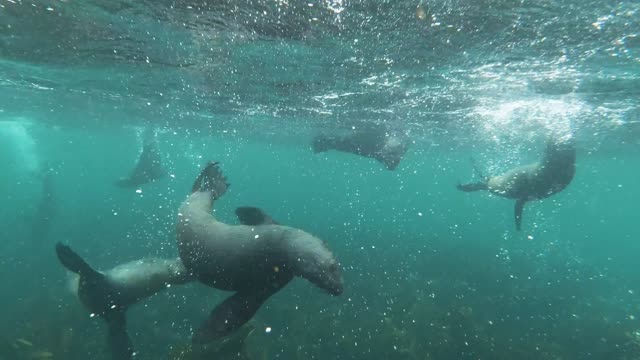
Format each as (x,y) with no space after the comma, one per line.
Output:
(314,261)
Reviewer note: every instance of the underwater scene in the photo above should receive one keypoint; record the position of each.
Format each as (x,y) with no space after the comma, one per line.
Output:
(319,179)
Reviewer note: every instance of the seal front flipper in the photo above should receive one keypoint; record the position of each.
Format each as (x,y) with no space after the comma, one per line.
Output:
(211,179)
(119,342)
(518,212)
(253,216)
(232,313)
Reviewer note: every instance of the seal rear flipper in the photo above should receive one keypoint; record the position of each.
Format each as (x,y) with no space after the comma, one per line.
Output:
(231,314)
(253,216)
(211,179)
(148,167)
(119,342)
(477,170)
(518,212)
(73,262)
(150,162)
(472,186)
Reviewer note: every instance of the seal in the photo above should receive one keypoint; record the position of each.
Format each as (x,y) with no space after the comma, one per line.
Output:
(535,181)
(149,166)
(367,140)
(109,294)
(255,261)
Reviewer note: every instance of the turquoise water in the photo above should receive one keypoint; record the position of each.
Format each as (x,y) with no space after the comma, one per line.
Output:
(430,272)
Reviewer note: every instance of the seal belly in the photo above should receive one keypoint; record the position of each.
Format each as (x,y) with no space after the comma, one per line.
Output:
(142,278)
(227,257)
(515,183)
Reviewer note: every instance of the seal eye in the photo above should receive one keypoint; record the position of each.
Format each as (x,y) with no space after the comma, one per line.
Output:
(333,267)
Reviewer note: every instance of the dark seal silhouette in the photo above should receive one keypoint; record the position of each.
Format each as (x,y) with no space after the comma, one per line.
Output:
(368,140)
(149,166)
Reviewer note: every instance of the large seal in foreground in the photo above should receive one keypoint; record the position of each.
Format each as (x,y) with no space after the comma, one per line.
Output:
(534,181)
(108,294)
(255,260)
(368,140)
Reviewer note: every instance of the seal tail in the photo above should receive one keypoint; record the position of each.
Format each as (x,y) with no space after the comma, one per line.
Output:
(211,179)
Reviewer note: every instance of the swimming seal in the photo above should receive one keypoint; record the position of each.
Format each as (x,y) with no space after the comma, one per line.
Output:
(368,140)
(109,294)
(149,166)
(534,181)
(255,261)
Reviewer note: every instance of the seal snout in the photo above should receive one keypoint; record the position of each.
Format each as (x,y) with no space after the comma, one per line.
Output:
(336,290)
(327,277)
(335,282)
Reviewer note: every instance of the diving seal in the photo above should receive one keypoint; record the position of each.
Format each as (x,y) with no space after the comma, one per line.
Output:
(368,140)
(149,166)
(534,181)
(108,294)
(255,261)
